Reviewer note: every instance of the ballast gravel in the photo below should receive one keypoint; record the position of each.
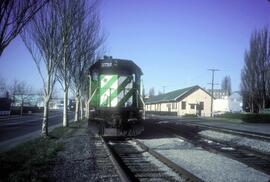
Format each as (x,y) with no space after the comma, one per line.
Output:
(205,165)
(258,145)
(84,158)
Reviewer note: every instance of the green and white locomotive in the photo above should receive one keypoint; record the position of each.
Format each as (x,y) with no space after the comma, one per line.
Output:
(115,94)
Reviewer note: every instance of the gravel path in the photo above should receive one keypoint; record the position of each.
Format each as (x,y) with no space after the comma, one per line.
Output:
(206,165)
(84,158)
(254,144)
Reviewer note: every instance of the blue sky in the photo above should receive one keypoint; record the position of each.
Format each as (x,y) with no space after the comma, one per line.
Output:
(173,41)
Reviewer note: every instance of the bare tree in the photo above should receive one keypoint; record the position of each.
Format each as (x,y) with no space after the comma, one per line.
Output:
(152,92)
(21,93)
(88,41)
(255,74)
(226,84)
(42,39)
(3,85)
(67,11)
(14,15)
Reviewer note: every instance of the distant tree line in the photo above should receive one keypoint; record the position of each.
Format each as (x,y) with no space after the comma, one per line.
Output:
(19,94)
(255,75)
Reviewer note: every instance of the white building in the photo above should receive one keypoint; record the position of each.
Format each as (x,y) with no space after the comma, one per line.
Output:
(220,106)
(191,100)
(219,93)
(56,103)
(225,103)
(235,102)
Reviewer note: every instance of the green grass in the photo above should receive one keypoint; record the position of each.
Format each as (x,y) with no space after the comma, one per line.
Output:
(190,116)
(31,160)
(247,117)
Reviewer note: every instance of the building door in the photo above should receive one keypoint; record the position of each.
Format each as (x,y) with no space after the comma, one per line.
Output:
(200,107)
(198,110)
(169,107)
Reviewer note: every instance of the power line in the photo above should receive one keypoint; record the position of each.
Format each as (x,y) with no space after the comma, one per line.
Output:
(213,79)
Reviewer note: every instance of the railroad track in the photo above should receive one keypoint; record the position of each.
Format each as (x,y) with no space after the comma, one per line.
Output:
(137,162)
(253,158)
(255,135)
(249,134)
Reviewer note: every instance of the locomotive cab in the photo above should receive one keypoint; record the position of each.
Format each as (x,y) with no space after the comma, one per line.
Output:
(115,94)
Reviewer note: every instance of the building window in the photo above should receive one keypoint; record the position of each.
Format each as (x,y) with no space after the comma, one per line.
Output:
(183,105)
(202,105)
(192,106)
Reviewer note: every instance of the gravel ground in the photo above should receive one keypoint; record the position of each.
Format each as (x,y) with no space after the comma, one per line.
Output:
(83,159)
(163,122)
(207,166)
(255,144)
(168,143)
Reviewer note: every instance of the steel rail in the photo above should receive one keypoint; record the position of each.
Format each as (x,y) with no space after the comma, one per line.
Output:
(178,169)
(260,162)
(122,174)
(256,135)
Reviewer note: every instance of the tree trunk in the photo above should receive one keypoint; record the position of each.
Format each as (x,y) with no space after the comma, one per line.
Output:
(76,118)
(22,108)
(44,129)
(87,106)
(81,106)
(65,111)
(263,102)
(252,105)
(47,96)
(81,110)
(86,114)
(87,100)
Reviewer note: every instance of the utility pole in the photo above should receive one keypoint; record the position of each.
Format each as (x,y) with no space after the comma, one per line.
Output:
(212,90)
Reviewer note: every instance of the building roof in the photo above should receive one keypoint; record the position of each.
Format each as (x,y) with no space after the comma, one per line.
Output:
(174,95)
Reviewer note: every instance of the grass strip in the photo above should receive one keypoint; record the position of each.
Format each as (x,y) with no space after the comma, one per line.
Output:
(31,161)
(247,117)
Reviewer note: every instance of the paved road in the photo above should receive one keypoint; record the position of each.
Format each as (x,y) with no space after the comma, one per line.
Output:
(17,126)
